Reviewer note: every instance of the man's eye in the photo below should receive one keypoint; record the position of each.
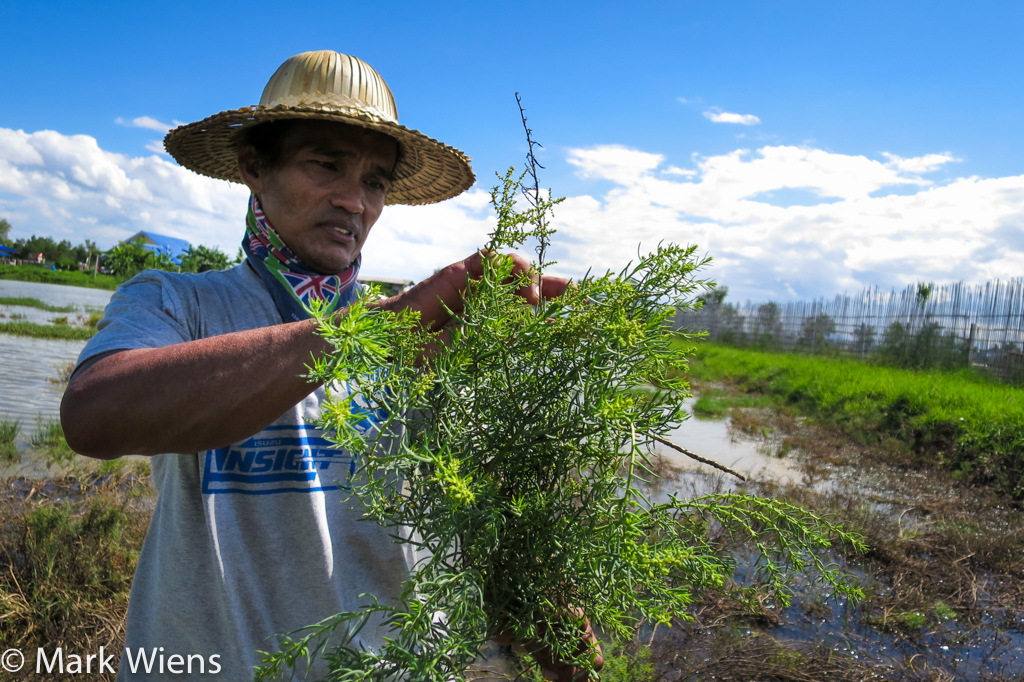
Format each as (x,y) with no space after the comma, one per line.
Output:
(326,164)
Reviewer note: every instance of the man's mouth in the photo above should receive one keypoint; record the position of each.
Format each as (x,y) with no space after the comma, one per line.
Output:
(344,231)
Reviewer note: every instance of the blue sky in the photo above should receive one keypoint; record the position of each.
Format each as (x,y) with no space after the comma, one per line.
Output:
(809,147)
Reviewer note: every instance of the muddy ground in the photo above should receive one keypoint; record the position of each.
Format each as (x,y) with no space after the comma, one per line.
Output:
(943,592)
(944,599)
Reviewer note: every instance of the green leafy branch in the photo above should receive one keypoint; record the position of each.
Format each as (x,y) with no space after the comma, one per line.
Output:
(514,458)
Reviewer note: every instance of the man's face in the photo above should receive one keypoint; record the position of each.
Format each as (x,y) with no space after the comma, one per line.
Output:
(325,191)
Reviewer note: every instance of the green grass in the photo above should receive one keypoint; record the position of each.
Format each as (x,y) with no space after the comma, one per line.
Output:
(954,419)
(67,555)
(719,406)
(9,431)
(29,273)
(36,303)
(49,440)
(705,406)
(48,331)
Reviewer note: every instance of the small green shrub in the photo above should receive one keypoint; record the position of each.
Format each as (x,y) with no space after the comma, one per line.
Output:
(9,431)
(49,440)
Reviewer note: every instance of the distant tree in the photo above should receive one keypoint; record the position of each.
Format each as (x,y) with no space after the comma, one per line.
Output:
(815,332)
(203,258)
(730,328)
(767,324)
(893,350)
(863,338)
(713,297)
(928,348)
(61,252)
(5,230)
(710,310)
(127,259)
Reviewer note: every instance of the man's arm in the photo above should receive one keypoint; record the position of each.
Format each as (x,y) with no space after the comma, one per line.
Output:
(211,392)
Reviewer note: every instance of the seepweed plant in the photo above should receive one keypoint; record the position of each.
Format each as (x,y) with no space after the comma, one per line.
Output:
(513,458)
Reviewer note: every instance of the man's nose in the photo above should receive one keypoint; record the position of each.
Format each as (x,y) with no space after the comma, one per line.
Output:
(348,194)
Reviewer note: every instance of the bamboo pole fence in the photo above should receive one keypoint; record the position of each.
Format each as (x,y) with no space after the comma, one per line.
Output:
(922,326)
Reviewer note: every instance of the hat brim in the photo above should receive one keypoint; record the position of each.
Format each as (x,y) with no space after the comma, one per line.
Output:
(427,171)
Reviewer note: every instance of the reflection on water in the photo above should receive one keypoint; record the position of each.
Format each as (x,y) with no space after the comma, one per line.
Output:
(714,439)
(26,369)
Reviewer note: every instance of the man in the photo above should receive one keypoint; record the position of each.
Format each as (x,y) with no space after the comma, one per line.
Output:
(250,537)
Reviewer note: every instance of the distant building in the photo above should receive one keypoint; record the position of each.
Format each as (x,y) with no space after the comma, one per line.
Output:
(172,247)
(390,286)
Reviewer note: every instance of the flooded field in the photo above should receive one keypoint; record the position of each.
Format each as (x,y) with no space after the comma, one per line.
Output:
(943,579)
(718,440)
(30,369)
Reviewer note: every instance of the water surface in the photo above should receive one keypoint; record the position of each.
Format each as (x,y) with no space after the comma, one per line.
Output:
(29,367)
(715,439)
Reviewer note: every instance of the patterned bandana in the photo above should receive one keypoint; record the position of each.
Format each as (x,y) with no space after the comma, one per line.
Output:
(291,284)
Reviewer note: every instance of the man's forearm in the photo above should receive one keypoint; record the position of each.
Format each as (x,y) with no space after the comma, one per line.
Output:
(190,396)
(211,392)
(208,393)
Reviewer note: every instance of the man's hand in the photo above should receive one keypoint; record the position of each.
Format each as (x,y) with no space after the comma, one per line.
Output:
(555,670)
(444,289)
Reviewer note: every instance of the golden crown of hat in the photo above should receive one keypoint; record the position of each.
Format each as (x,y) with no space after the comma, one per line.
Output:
(326,85)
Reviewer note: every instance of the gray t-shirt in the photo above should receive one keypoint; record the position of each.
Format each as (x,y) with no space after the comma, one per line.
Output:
(251,540)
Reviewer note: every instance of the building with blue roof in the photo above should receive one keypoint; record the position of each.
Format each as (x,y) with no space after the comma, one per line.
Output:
(172,247)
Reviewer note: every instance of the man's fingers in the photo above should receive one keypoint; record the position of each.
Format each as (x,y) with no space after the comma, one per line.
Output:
(554,286)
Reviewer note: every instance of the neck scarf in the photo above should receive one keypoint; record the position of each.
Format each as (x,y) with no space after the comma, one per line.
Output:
(290,282)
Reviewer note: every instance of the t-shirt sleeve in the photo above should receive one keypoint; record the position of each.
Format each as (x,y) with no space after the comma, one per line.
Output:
(144,312)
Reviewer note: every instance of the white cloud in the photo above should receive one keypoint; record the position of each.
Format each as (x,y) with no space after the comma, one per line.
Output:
(614,162)
(67,187)
(146,122)
(968,228)
(717,116)
(919,164)
(675,170)
(869,222)
(156,146)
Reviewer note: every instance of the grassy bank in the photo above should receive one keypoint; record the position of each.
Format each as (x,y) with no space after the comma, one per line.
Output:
(29,273)
(36,303)
(68,549)
(956,420)
(48,331)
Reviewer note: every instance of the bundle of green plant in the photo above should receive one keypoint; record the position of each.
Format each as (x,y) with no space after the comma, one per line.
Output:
(47,331)
(36,303)
(523,444)
(9,431)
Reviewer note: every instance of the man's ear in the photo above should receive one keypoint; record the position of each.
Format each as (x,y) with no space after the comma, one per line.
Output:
(250,167)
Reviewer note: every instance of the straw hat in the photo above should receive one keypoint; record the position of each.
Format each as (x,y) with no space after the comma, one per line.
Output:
(328,86)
